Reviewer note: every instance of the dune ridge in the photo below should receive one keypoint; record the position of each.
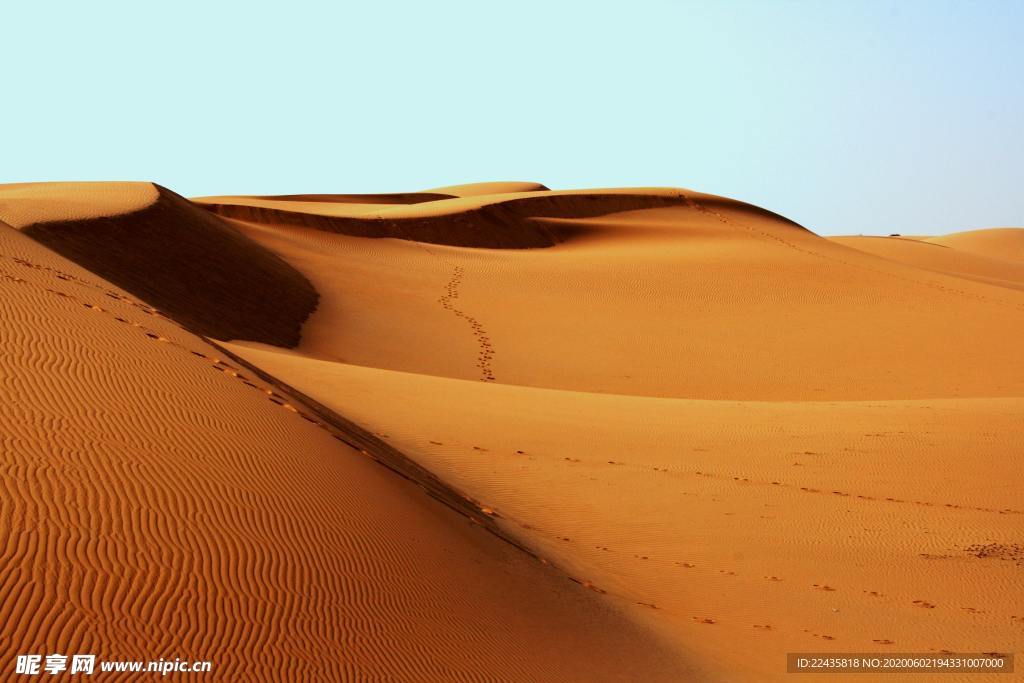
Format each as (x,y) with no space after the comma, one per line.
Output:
(380,198)
(161,500)
(508,220)
(191,264)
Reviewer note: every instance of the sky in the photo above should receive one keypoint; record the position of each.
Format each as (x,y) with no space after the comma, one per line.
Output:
(848,117)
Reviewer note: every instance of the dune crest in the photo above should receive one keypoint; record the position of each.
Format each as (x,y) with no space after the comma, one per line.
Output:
(511,220)
(186,262)
(23,204)
(1000,243)
(499,187)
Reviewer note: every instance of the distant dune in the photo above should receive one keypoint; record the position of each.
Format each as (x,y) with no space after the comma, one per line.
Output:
(1000,243)
(626,434)
(981,255)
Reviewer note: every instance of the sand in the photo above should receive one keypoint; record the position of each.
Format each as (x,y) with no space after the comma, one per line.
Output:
(707,436)
(162,500)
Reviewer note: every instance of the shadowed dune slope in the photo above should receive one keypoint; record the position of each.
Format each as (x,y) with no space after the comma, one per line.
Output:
(162,501)
(393,198)
(190,264)
(488,221)
(504,220)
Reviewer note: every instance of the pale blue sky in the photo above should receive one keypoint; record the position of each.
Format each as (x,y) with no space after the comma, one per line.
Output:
(845,116)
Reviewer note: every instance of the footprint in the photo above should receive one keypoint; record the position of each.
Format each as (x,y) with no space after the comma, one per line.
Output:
(924,604)
(823,587)
(883,641)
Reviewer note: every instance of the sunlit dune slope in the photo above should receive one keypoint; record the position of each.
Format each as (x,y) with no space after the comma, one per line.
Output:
(22,204)
(701,298)
(742,530)
(181,259)
(163,501)
(934,255)
(475,189)
(1001,243)
(755,439)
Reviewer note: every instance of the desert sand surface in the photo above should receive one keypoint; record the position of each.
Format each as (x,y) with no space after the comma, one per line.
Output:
(987,256)
(162,500)
(681,434)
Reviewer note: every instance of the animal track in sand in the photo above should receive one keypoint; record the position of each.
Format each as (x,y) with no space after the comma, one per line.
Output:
(924,603)
(486,353)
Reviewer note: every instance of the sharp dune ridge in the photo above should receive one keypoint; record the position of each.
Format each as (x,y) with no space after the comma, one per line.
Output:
(499,221)
(640,434)
(192,265)
(394,198)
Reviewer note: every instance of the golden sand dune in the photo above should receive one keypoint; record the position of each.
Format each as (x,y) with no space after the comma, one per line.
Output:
(934,254)
(1000,243)
(506,220)
(23,204)
(181,259)
(760,440)
(475,189)
(743,439)
(162,500)
(707,299)
(744,530)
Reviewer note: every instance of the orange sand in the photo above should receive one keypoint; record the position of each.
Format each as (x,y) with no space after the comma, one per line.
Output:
(745,439)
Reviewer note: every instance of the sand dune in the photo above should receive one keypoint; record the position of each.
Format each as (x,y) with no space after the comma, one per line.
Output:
(162,500)
(179,258)
(507,220)
(933,254)
(475,189)
(744,530)
(706,300)
(725,437)
(22,204)
(741,431)
(1000,243)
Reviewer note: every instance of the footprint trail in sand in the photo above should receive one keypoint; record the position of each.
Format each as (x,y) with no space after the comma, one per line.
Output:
(484,341)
